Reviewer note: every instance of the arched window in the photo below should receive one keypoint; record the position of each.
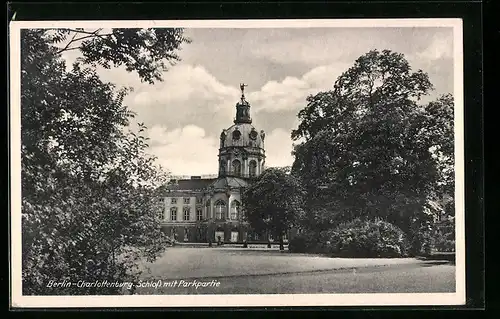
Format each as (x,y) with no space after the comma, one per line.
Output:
(236,134)
(220,209)
(199,213)
(187,212)
(252,168)
(223,167)
(161,215)
(173,213)
(236,167)
(235,209)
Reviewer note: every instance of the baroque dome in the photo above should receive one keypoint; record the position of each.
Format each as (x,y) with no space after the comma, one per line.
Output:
(242,135)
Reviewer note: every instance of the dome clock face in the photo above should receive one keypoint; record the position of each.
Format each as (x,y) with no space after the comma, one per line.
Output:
(253,135)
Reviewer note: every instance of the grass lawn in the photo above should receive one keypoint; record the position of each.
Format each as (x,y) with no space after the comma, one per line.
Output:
(241,271)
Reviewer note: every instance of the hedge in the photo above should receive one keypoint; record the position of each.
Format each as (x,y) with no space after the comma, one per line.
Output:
(357,238)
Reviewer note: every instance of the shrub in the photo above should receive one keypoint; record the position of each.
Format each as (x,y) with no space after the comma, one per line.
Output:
(360,238)
(444,245)
(303,243)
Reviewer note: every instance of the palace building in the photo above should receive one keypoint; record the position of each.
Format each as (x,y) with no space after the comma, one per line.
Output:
(201,209)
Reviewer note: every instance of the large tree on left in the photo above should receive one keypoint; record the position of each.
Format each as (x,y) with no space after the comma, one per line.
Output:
(88,186)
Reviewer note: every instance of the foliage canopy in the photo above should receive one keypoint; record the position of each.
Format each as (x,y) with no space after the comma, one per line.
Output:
(89,207)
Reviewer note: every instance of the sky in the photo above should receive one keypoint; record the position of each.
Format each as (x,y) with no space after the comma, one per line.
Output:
(186,112)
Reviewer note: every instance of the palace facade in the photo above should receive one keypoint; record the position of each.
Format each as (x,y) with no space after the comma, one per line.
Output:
(199,209)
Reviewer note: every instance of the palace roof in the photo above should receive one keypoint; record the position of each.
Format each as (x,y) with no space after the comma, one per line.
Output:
(190,184)
(228,182)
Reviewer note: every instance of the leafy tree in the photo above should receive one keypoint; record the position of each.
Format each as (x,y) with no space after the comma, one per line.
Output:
(273,202)
(89,208)
(439,133)
(368,145)
(144,51)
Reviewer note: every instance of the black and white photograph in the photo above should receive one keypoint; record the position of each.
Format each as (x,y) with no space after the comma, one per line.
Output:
(237,163)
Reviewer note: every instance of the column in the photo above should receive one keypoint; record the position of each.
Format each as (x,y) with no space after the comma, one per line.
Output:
(228,212)
(167,209)
(192,210)
(229,168)
(211,209)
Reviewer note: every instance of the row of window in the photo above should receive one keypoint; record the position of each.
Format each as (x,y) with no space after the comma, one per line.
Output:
(236,167)
(186,213)
(220,209)
(187,200)
(219,206)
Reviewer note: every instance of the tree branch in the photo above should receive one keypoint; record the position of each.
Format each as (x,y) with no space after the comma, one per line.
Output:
(75,39)
(68,44)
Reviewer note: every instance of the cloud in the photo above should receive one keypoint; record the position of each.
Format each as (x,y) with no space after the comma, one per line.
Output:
(184,151)
(439,48)
(189,151)
(278,146)
(280,52)
(187,111)
(188,95)
(291,92)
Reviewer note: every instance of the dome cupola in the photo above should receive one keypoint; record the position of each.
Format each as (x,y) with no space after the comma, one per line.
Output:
(241,151)
(242,108)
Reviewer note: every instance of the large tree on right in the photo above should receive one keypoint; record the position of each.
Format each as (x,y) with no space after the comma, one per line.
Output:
(370,150)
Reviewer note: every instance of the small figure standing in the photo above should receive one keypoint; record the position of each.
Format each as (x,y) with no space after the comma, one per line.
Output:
(222,138)
(242,87)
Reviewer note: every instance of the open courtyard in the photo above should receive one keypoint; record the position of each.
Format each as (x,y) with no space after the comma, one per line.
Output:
(261,271)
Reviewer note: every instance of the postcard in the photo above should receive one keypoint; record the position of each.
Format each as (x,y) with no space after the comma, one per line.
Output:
(235,163)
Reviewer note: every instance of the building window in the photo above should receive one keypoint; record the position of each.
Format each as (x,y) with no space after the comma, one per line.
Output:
(236,134)
(223,167)
(186,213)
(161,215)
(235,209)
(220,208)
(219,235)
(252,168)
(186,200)
(234,236)
(199,200)
(199,213)
(236,167)
(173,213)
(173,201)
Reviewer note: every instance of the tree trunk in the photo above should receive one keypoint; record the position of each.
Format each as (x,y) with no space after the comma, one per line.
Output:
(282,246)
